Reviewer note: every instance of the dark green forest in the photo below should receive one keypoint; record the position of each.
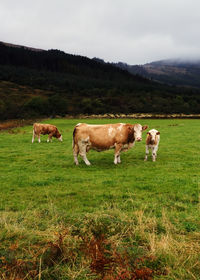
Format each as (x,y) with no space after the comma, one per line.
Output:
(48,83)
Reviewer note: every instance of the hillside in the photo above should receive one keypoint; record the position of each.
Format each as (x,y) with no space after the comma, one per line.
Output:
(36,82)
(176,72)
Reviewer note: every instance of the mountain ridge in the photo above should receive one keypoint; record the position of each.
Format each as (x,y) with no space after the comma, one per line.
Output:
(175,72)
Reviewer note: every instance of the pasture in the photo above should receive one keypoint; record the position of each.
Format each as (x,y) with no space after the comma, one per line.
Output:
(134,220)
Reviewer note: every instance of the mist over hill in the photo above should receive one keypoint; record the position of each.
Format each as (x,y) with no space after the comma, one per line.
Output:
(177,72)
(35,82)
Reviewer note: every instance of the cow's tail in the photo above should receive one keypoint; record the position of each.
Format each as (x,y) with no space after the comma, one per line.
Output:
(73,140)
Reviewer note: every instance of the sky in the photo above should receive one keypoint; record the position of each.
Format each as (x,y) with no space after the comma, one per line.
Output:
(130,31)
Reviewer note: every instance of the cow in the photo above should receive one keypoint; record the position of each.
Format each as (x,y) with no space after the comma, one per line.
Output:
(119,136)
(51,130)
(152,142)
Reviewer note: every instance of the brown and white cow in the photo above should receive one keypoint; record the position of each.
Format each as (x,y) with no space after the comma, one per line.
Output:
(51,130)
(120,136)
(152,142)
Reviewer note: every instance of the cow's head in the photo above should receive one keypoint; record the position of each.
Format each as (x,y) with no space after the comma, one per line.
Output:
(152,137)
(60,138)
(138,129)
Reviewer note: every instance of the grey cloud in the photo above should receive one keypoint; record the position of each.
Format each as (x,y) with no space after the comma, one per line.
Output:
(133,31)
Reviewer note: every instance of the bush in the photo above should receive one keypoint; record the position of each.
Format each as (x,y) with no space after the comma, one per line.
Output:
(35,106)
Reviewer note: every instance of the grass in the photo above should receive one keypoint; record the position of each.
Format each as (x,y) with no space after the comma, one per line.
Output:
(61,221)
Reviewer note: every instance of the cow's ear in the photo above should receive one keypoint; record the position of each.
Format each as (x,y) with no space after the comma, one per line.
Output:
(158,133)
(148,133)
(144,127)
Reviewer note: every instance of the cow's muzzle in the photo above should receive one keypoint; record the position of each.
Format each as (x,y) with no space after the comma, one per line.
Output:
(138,139)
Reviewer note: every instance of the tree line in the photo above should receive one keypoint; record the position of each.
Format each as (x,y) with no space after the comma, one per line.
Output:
(49,83)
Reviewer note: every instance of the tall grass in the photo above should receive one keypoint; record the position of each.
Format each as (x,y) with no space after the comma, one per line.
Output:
(136,220)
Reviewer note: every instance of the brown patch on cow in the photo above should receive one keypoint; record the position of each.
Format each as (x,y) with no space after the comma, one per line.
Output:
(150,141)
(57,134)
(130,138)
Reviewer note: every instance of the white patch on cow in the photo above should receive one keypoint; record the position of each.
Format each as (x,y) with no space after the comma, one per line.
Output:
(120,127)
(153,134)
(82,150)
(118,159)
(94,125)
(138,132)
(115,159)
(125,146)
(110,131)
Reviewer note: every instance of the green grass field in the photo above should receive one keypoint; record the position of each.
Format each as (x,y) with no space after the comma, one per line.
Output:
(136,220)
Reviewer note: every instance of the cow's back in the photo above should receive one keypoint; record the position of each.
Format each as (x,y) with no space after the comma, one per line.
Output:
(43,128)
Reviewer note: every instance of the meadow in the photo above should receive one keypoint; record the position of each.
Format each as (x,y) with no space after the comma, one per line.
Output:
(135,220)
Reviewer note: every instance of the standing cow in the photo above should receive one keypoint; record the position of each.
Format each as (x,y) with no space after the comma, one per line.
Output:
(119,136)
(152,142)
(49,129)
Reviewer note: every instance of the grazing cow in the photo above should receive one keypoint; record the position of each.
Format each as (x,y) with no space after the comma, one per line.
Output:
(152,142)
(120,136)
(49,129)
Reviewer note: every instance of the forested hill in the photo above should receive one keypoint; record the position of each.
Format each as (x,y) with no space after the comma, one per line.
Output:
(58,61)
(36,82)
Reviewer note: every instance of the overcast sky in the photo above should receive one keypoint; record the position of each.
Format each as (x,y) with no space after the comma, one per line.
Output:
(131,31)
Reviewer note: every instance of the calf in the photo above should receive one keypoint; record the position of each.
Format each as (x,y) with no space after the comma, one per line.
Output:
(49,129)
(119,136)
(152,142)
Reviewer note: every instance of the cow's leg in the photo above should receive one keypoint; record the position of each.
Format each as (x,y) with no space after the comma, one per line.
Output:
(33,138)
(118,159)
(39,138)
(50,137)
(82,152)
(75,152)
(118,148)
(147,152)
(154,153)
